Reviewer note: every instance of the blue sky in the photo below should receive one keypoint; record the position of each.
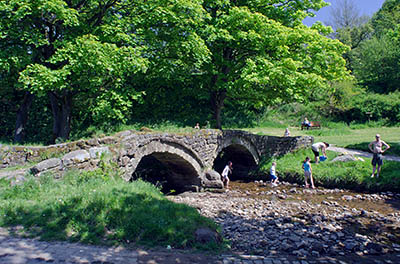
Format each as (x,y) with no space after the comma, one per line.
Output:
(366,7)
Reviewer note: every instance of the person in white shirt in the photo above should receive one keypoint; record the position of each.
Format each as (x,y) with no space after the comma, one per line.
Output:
(272,172)
(227,170)
(317,147)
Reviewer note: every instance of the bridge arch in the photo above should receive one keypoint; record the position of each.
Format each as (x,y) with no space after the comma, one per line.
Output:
(184,168)
(241,151)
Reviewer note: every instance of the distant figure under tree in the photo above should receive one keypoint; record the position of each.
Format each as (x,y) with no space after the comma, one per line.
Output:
(287,133)
(306,123)
(377,149)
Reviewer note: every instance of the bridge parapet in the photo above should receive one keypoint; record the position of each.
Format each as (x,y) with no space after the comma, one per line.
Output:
(190,156)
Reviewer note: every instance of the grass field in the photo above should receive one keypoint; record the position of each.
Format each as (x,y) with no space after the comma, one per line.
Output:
(95,208)
(347,175)
(342,136)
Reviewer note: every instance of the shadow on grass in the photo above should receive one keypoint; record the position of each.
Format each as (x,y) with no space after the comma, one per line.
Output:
(121,218)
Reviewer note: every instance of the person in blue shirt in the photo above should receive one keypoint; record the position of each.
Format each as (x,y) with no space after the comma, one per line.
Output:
(308,172)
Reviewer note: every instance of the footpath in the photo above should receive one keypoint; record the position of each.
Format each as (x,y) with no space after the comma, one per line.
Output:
(361,153)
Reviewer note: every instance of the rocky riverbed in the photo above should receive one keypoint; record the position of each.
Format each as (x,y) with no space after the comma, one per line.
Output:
(294,221)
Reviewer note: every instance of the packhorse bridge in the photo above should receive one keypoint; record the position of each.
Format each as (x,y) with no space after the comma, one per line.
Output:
(185,161)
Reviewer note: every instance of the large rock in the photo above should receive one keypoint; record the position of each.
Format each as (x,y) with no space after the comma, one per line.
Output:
(206,235)
(96,152)
(74,157)
(46,165)
(212,179)
(344,158)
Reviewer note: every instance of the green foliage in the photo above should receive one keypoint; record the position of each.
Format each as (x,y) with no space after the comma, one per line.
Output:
(96,207)
(376,107)
(348,175)
(387,17)
(377,60)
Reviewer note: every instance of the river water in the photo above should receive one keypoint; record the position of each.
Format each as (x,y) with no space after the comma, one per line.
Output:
(294,221)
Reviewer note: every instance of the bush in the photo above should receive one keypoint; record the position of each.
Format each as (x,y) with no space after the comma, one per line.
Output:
(381,108)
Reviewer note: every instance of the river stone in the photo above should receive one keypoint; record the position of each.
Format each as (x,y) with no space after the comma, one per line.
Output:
(46,165)
(96,152)
(77,156)
(344,158)
(206,235)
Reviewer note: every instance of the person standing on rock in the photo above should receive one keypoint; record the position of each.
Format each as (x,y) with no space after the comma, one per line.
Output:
(317,147)
(308,172)
(227,170)
(377,149)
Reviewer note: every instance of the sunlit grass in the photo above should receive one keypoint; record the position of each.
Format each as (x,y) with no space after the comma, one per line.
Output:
(92,207)
(347,175)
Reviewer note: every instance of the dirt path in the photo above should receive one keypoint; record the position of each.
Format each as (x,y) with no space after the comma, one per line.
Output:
(361,153)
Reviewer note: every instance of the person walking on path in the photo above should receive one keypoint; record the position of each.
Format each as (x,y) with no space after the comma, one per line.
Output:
(227,170)
(317,147)
(272,172)
(287,133)
(376,147)
(308,173)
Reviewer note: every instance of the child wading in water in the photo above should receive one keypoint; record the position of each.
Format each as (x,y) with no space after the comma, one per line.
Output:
(272,172)
(308,172)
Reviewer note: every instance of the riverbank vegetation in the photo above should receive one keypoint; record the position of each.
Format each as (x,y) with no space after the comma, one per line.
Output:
(99,207)
(352,175)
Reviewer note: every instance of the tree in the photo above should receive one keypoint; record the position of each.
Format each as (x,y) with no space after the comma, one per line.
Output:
(387,17)
(64,48)
(262,53)
(345,14)
(377,62)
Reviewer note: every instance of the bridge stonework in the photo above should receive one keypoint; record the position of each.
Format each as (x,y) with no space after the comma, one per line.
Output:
(189,156)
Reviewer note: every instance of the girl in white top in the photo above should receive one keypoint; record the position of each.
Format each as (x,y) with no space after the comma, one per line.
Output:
(225,173)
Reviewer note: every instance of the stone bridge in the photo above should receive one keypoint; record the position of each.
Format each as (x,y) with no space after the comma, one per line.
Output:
(188,160)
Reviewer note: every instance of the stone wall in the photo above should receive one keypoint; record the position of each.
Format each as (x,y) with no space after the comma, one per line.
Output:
(189,156)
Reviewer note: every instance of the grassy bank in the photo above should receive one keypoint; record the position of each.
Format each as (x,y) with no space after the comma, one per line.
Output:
(353,175)
(339,134)
(93,208)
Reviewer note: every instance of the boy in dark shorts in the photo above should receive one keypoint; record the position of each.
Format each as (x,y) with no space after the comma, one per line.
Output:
(376,147)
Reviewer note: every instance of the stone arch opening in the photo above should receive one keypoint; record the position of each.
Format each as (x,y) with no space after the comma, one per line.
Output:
(170,171)
(243,161)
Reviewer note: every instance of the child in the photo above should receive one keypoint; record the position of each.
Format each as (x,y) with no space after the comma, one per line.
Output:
(308,172)
(272,172)
(227,170)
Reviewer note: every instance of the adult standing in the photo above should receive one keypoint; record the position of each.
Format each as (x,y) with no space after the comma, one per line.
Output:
(227,170)
(317,147)
(377,149)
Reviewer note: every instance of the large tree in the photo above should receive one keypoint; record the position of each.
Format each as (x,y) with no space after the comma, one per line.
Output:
(70,47)
(263,54)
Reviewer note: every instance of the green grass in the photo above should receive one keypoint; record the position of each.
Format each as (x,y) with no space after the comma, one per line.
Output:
(353,175)
(342,135)
(91,207)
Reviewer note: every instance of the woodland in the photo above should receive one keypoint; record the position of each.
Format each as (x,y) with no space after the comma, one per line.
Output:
(69,68)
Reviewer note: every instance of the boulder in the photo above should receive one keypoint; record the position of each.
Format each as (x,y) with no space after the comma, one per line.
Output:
(46,165)
(206,235)
(96,152)
(74,157)
(345,158)
(212,179)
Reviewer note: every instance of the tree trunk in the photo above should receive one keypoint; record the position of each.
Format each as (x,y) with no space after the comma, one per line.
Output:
(22,117)
(61,109)
(217,103)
